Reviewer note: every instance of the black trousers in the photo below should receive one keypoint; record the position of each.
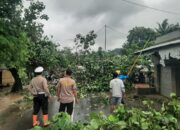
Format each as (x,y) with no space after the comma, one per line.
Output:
(40,102)
(67,106)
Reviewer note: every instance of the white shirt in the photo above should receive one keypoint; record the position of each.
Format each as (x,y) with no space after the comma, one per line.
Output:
(117,87)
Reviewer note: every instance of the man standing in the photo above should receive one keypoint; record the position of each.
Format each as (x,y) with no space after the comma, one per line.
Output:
(117,91)
(123,78)
(39,88)
(67,92)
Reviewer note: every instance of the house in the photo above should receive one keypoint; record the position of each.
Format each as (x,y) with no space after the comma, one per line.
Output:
(165,55)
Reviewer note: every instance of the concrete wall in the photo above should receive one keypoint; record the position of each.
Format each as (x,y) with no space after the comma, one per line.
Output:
(166,81)
(156,81)
(176,83)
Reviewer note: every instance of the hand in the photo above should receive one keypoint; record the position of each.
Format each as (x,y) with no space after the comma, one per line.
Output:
(49,98)
(77,101)
(58,99)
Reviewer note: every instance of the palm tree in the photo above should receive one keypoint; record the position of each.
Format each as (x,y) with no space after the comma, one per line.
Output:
(165,27)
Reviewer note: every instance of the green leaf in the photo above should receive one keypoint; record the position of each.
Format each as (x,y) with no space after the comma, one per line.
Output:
(94,123)
(145,126)
(122,124)
(172,95)
(37,128)
(145,102)
(112,118)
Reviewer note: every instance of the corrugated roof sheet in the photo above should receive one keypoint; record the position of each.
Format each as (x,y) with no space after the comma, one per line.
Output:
(171,43)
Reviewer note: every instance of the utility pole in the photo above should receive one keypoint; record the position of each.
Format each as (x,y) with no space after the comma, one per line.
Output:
(105,37)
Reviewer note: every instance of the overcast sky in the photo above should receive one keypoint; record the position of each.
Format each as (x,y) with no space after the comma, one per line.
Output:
(70,17)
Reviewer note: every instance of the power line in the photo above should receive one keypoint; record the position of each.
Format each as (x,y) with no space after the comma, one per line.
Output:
(113,29)
(108,27)
(149,7)
(99,30)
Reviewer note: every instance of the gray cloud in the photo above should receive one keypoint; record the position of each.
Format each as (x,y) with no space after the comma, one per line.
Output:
(70,17)
(113,10)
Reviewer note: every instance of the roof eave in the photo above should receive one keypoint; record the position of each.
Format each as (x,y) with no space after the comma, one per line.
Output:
(157,47)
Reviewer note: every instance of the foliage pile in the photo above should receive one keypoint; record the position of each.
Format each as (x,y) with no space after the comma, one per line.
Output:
(98,71)
(133,119)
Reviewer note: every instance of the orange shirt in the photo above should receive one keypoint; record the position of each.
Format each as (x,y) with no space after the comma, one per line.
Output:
(65,90)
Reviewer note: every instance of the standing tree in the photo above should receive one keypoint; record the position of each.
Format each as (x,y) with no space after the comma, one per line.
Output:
(83,44)
(165,27)
(137,38)
(21,39)
(66,57)
(34,31)
(43,51)
(14,42)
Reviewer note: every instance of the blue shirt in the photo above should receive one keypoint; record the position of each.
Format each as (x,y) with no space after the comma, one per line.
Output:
(123,77)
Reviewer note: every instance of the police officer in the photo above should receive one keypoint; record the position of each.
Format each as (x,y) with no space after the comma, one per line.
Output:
(67,92)
(39,88)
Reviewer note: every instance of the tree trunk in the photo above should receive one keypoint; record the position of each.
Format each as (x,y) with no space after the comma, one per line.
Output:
(0,78)
(18,84)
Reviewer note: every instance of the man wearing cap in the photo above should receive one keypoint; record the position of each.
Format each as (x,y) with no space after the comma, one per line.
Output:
(117,91)
(123,78)
(67,92)
(39,88)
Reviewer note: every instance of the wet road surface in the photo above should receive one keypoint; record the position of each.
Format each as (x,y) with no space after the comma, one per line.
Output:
(81,111)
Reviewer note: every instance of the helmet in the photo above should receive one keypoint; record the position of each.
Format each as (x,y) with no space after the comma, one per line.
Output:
(118,72)
(39,69)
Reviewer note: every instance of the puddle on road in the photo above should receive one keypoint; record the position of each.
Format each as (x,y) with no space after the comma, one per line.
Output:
(81,111)
(23,121)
